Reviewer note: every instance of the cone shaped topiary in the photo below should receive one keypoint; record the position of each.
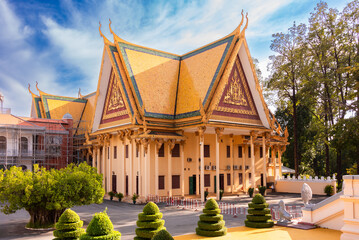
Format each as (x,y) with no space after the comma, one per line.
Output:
(149,222)
(162,235)
(211,223)
(101,228)
(68,226)
(259,214)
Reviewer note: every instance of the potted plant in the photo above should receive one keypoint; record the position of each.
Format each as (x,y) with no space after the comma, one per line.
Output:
(119,196)
(134,198)
(250,192)
(329,190)
(111,194)
(221,194)
(205,194)
(262,190)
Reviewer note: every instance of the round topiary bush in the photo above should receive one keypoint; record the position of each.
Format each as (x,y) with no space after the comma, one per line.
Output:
(162,235)
(101,228)
(149,222)
(259,214)
(68,226)
(211,222)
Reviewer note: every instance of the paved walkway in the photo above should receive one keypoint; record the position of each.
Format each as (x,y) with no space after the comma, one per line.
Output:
(124,217)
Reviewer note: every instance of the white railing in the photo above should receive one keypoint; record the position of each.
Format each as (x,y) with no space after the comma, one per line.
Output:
(226,208)
(310,178)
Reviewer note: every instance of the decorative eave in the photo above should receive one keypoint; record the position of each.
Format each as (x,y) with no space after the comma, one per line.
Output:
(152,134)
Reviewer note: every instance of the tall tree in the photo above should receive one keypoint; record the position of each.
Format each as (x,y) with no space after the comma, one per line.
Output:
(287,69)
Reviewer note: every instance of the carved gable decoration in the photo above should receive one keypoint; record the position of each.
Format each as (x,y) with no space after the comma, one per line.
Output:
(114,108)
(236,103)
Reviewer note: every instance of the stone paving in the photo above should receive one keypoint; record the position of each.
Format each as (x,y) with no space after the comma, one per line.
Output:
(124,217)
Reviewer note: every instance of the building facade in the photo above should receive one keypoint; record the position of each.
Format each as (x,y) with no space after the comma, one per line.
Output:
(167,124)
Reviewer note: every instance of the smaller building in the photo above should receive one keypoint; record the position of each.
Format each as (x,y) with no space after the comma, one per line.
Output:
(26,141)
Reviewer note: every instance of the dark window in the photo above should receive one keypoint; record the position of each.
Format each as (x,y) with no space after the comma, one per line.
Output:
(126,151)
(249,152)
(207,180)
(175,181)
(161,151)
(249,176)
(261,152)
(240,151)
(108,152)
(161,182)
(114,152)
(270,152)
(176,151)
(240,178)
(23,145)
(2,145)
(228,151)
(228,179)
(137,150)
(206,151)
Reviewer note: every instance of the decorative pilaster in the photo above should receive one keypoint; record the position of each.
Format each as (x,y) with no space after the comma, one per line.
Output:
(122,178)
(253,170)
(170,146)
(182,167)
(231,153)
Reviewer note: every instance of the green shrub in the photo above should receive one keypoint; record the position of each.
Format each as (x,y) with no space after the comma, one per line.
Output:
(119,196)
(258,199)
(329,190)
(259,214)
(111,194)
(262,189)
(68,226)
(134,197)
(101,228)
(250,192)
(162,235)
(149,222)
(211,223)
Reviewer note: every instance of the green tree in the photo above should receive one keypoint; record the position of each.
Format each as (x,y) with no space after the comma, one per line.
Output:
(45,194)
(287,69)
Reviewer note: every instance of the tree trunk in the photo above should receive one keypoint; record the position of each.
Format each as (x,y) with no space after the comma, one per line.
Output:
(42,218)
(339,165)
(295,136)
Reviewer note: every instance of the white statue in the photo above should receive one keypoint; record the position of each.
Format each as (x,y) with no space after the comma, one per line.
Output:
(306,194)
(284,216)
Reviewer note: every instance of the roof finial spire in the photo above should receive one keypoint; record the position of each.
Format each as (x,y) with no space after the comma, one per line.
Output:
(245,27)
(115,37)
(37,88)
(237,31)
(33,94)
(103,36)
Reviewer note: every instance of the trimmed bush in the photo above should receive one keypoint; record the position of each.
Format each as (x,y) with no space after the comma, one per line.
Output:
(162,235)
(329,190)
(149,222)
(68,226)
(211,222)
(101,228)
(259,214)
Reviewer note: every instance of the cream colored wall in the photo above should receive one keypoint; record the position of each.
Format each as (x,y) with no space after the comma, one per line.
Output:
(295,186)
(190,167)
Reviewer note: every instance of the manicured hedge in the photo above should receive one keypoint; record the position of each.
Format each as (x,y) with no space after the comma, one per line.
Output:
(259,215)
(149,222)
(162,235)
(101,228)
(211,223)
(68,226)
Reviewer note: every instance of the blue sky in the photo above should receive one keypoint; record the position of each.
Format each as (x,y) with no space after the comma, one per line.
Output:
(57,42)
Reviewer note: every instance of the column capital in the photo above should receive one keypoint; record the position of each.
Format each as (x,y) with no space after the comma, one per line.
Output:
(183,142)
(121,135)
(145,142)
(254,134)
(201,131)
(128,134)
(171,144)
(219,133)
(159,143)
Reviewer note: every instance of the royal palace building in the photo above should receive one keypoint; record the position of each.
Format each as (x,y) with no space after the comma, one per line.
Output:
(166,124)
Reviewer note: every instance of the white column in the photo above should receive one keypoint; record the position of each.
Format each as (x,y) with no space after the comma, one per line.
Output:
(197,163)
(253,170)
(109,172)
(201,145)
(231,152)
(122,167)
(280,161)
(130,174)
(103,165)
(147,168)
(217,166)
(244,172)
(94,156)
(274,163)
(157,147)
(169,170)
(264,160)
(134,170)
(98,159)
(182,168)
(140,173)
